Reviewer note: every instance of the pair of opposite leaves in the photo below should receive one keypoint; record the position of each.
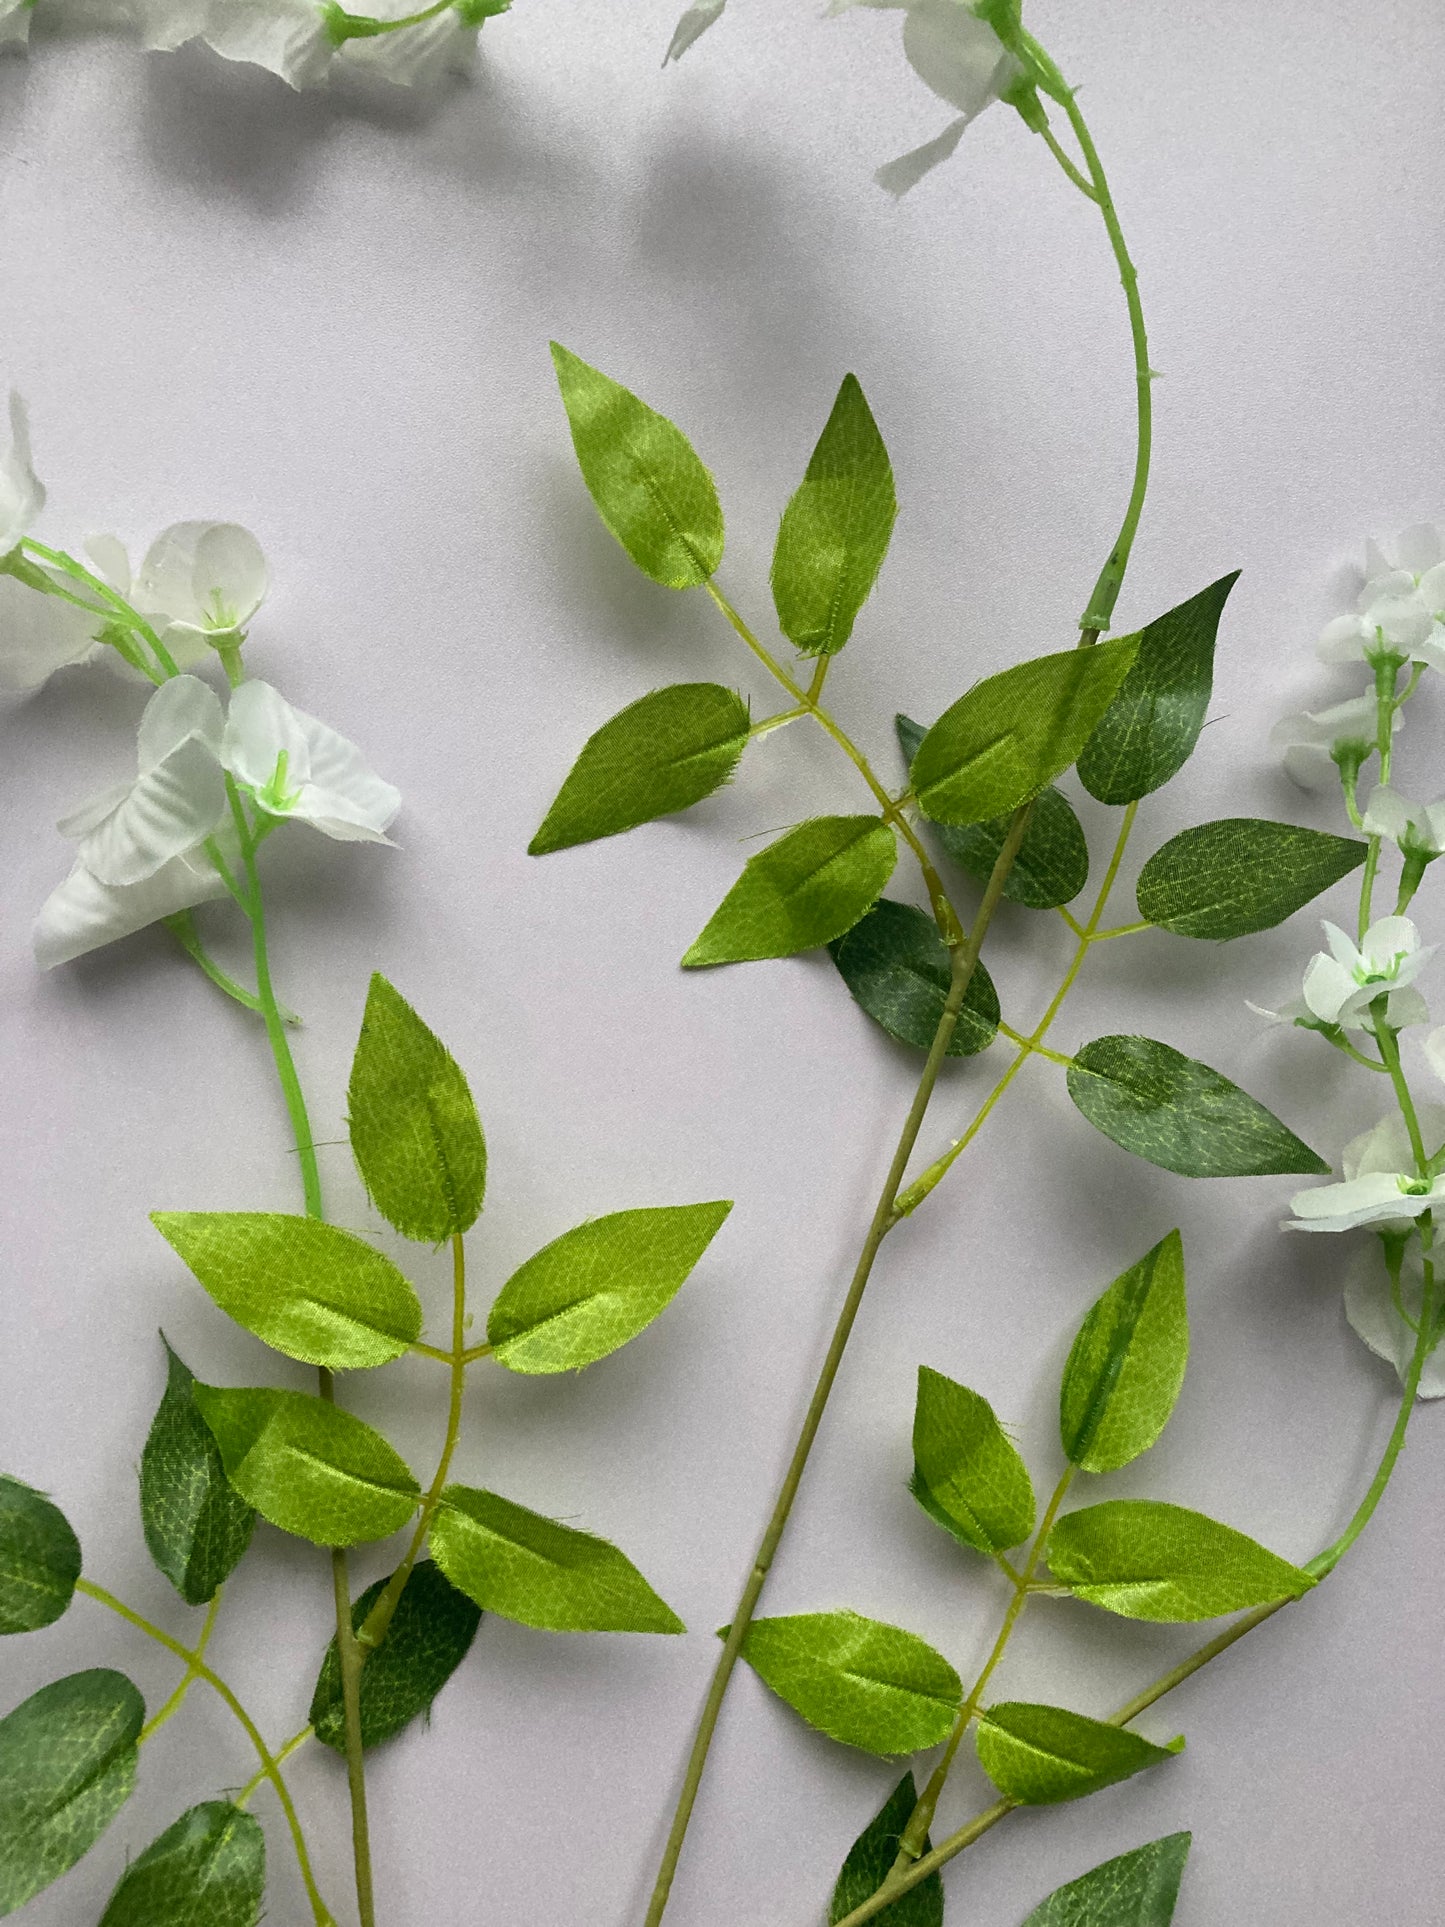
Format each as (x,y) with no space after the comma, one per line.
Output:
(882,1688)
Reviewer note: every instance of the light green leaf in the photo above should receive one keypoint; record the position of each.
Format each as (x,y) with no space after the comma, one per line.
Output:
(517,1564)
(1052,865)
(835,531)
(870,1861)
(1243,874)
(1013,733)
(967,1472)
(67,1766)
(309,1467)
(896,967)
(208,1870)
(1138,1889)
(857,1680)
(1039,1755)
(430,1634)
(1175,1112)
(303,1287)
(415,1133)
(597,1286)
(1143,1559)
(663,753)
(39,1559)
(1149,731)
(804,890)
(649,486)
(196,1523)
(1127,1363)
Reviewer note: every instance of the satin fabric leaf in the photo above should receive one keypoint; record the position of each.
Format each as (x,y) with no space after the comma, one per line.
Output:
(415,1133)
(802,891)
(1040,1755)
(1228,879)
(39,1559)
(1144,1559)
(1127,1364)
(870,1861)
(196,1523)
(207,1870)
(860,1681)
(1138,1889)
(967,1473)
(896,967)
(430,1634)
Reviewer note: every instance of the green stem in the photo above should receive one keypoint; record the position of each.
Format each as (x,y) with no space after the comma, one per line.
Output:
(177,1699)
(183,928)
(1065,161)
(1386,676)
(269,1767)
(282,1755)
(114,601)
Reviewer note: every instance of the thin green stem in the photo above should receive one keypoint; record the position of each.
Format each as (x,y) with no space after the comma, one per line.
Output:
(1123,930)
(113,600)
(1389,1044)
(1387,675)
(770,723)
(270,1769)
(182,927)
(177,1699)
(282,1755)
(1065,161)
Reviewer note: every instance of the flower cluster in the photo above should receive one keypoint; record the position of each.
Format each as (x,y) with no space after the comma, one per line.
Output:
(403,41)
(208,773)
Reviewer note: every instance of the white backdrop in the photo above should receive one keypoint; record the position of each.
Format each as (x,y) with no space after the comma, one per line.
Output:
(327,317)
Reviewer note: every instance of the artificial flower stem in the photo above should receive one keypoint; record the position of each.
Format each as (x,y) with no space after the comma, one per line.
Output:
(269,1766)
(1389,1044)
(373,1629)
(133,619)
(182,928)
(281,1756)
(1386,675)
(177,1699)
(1080,180)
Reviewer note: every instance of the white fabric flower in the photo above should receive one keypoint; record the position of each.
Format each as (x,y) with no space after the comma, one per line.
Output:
(1380,1185)
(22,494)
(1418,828)
(177,799)
(84,914)
(203,580)
(289,38)
(413,56)
(41,633)
(1340,986)
(295,766)
(1370,1308)
(1315,745)
(1400,611)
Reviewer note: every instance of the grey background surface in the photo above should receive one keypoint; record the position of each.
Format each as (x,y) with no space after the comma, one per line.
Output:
(327,317)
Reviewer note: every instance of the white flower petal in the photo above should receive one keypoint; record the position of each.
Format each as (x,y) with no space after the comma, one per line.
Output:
(1435,1052)
(83,914)
(85,817)
(1342,949)
(287,37)
(1405,1008)
(341,775)
(169,809)
(956,54)
(897,177)
(1388,813)
(1432,589)
(1328,987)
(1344,640)
(1419,548)
(112,564)
(1310,766)
(415,56)
(209,576)
(1388,944)
(164,25)
(692,26)
(1403,621)
(22,496)
(181,708)
(325,780)
(1373,1198)
(1370,1308)
(261,727)
(1384,588)
(41,633)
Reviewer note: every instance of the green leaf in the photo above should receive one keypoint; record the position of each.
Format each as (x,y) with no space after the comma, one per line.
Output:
(303,1287)
(39,1559)
(415,1133)
(870,1861)
(1175,1112)
(804,890)
(967,1473)
(208,1870)
(1138,1889)
(1039,1755)
(309,1467)
(430,1634)
(857,1680)
(896,967)
(67,1766)
(196,1523)
(517,1564)
(1227,879)
(663,753)
(1149,731)
(1013,733)
(649,486)
(835,531)
(1052,865)
(597,1286)
(1144,1559)
(1127,1363)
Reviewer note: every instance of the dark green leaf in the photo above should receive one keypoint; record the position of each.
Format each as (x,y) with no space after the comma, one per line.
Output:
(1039,1755)
(208,1870)
(196,1523)
(835,531)
(804,890)
(1013,733)
(67,1766)
(39,1559)
(521,1566)
(967,1473)
(309,1467)
(597,1286)
(1052,865)
(303,1287)
(1227,879)
(896,966)
(1149,731)
(870,1860)
(1127,1364)
(857,1680)
(661,754)
(649,486)
(415,1133)
(1177,1113)
(430,1634)
(1143,1559)
(1139,1889)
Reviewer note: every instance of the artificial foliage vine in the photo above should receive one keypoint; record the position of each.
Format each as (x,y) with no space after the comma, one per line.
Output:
(224,762)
